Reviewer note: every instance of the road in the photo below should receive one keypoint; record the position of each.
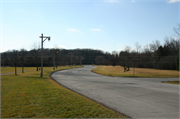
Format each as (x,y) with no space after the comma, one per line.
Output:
(134,97)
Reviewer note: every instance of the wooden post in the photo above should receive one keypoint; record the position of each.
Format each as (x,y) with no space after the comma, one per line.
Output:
(134,70)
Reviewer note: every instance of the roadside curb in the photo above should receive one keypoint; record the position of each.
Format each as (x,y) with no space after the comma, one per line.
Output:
(62,70)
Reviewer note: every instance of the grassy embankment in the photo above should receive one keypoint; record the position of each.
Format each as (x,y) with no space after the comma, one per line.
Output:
(29,96)
(139,72)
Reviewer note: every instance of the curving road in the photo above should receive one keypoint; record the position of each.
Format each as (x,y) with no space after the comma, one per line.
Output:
(135,97)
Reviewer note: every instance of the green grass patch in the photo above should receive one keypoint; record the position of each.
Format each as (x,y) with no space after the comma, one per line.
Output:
(29,96)
(172,82)
(138,72)
(12,69)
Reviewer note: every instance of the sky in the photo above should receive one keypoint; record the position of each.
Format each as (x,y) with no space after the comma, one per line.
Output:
(108,25)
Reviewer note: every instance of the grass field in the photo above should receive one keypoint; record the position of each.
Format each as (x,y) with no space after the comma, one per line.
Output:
(29,96)
(12,69)
(139,72)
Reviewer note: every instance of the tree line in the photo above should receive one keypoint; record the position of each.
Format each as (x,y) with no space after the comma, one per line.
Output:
(153,55)
(51,57)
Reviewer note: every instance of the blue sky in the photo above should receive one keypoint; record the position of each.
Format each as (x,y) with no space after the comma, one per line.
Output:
(98,24)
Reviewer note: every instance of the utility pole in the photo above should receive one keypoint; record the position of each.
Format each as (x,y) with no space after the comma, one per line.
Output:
(42,51)
(41,55)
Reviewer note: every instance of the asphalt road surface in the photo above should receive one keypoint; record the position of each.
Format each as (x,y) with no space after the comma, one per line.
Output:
(134,97)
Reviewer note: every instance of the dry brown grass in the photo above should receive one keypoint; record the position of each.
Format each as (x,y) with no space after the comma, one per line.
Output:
(138,72)
(172,82)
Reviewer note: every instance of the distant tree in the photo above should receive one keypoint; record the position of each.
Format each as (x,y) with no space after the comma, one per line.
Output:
(138,47)
(177,30)
(154,45)
(115,53)
(114,61)
(15,59)
(100,60)
(177,62)
(146,49)
(124,59)
(36,54)
(22,58)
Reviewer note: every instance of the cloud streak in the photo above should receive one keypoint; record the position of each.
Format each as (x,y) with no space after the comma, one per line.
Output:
(71,29)
(57,46)
(173,1)
(95,29)
(117,0)
(111,0)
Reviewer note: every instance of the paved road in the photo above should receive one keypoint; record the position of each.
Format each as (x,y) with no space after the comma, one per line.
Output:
(135,97)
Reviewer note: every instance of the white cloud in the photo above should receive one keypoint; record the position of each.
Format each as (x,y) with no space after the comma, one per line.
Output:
(110,45)
(58,46)
(71,29)
(73,48)
(100,49)
(173,1)
(175,38)
(128,48)
(117,0)
(111,0)
(95,29)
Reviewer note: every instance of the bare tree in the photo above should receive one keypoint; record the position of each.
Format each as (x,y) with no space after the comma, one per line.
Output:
(154,45)
(125,58)
(53,52)
(15,59)
(36,53)
(115,53)
(177,31)
(172,44)
(22,55)
(166,40)
(100,60)
(127,49)
(146,49)
(138,46)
